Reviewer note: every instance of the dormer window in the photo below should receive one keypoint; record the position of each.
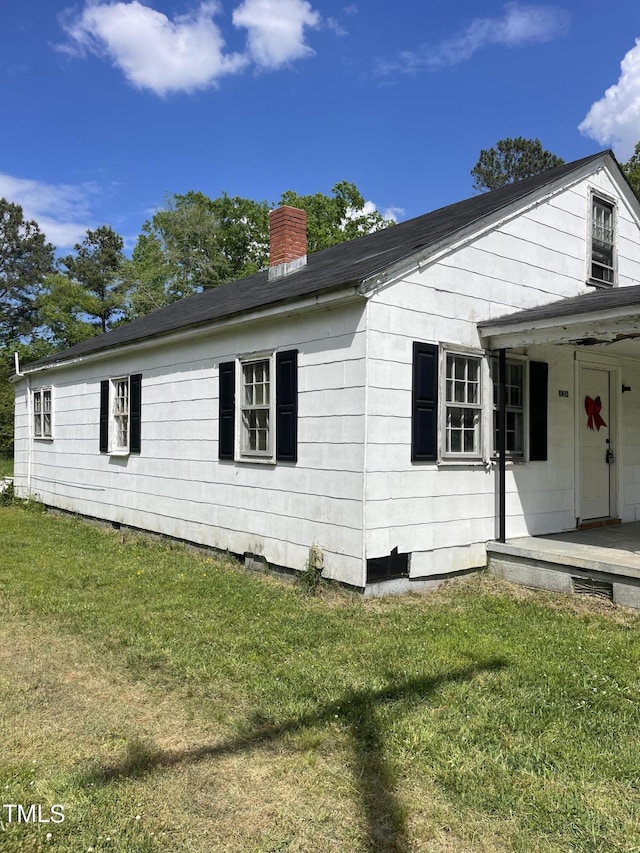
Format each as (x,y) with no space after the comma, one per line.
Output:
(602,241)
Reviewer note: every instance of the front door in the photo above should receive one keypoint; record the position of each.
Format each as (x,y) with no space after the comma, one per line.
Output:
(596,468)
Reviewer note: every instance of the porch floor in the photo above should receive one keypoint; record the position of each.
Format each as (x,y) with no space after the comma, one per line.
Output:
(606,557)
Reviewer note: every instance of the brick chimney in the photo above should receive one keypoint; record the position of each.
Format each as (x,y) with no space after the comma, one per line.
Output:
(287,241)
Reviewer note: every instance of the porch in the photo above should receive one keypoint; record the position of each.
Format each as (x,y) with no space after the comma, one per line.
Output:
(603,561)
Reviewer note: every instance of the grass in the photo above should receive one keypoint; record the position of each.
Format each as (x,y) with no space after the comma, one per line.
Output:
(6,467)
(172,702)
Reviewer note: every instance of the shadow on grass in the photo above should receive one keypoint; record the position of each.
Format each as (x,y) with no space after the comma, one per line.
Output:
(358,712)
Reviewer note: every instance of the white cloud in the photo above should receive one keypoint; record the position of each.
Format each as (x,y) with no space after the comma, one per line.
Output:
(615,118)
(152,51)
(189,52)
(370,207)
(335,25)
(519,25)
(393,213)
(390,212)
(61,210)
(276,29)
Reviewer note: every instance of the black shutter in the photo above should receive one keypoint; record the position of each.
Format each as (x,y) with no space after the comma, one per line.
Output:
(104,416)
(135,413)
(226,410)
(538,381)
(287,406)
(424,404)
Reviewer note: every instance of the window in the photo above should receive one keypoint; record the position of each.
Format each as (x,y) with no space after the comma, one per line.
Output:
(262,423)
(526,408)
(458,409)
(256,408)
(602,241)
(514,406)
(463,405)
(42,413)
(120,414)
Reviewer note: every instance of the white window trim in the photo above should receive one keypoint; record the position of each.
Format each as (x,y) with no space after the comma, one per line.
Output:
(596,195)
(114,449)
(259,457)
(461,457)
(41,435)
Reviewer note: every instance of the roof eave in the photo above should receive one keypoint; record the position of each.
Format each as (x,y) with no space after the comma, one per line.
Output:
(469,232)
(343,293)
(574,328)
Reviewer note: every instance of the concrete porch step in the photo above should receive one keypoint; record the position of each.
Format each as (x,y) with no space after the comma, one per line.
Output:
(600,560)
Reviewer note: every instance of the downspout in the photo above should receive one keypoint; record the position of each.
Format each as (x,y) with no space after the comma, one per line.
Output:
(502,445)
(29,438)
(365,453)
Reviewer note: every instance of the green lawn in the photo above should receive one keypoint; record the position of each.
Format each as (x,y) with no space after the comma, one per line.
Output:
(172,702)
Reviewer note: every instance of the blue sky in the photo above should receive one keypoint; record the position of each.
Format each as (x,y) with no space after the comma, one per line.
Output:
(109,106)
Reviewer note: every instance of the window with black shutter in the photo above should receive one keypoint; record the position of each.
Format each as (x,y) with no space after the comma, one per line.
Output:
(263,415)
(121,414)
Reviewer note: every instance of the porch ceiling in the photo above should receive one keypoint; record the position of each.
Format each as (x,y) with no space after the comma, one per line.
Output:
(607,317)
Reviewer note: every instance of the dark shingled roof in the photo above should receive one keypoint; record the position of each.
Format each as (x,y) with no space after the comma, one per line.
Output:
(602,299)
(327,270)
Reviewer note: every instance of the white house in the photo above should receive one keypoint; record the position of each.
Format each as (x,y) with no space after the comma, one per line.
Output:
(345,405)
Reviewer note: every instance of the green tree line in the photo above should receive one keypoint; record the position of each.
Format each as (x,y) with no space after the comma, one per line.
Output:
(192,243)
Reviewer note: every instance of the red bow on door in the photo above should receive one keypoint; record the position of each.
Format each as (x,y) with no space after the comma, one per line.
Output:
(593,409)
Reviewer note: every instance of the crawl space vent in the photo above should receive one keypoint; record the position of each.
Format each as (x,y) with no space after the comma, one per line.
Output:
(589,586)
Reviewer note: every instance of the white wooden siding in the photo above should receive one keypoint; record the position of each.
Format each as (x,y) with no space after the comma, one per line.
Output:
(443,514)
(348,499)
(178,486)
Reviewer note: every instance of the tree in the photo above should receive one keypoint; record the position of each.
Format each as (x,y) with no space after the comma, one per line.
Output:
(61,309)
(243,235)
(632,170)
(197,242)
(94,291)
(511,160)
(146,276)
(336,219)
(25,259)
(186,232)
(36,348)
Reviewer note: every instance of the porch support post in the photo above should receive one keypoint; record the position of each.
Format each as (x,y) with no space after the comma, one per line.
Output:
(502,446)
